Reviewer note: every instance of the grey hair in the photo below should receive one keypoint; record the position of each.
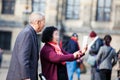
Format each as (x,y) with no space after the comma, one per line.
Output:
(34,16)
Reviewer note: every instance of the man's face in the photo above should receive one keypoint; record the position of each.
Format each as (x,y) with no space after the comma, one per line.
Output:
(92,38)
(41,24)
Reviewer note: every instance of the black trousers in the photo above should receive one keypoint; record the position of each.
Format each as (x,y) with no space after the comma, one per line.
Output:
(105,74)
(62,72)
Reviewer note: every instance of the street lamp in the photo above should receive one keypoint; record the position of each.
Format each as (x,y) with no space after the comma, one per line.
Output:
(26,14)
(91,13)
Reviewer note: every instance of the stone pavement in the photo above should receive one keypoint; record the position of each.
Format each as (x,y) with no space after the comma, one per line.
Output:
(6,61)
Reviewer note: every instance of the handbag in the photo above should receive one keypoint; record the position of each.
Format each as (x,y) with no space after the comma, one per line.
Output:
(91,60)
(82,67)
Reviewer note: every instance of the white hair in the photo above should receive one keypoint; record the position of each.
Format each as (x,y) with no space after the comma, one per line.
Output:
(34,16)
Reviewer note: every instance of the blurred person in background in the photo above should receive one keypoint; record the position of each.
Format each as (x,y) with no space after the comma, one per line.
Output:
(118,65)
(93,49)
(73,46)
(106,59)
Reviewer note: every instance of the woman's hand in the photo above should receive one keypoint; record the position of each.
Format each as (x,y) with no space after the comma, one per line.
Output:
(77,54)
(80,53)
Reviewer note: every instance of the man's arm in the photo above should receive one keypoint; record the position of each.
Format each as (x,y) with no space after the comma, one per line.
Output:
(24,53)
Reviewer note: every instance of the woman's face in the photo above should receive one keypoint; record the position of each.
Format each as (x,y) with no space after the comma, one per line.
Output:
(55,36)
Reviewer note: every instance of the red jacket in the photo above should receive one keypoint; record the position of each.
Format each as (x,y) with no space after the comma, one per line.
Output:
(50,59)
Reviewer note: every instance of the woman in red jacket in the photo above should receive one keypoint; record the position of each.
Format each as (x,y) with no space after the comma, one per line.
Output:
(53,58)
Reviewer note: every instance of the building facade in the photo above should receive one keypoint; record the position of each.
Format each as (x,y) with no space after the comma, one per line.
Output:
(80,16)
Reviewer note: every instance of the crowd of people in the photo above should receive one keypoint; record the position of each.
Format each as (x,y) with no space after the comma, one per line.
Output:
(57,63)
(102,57)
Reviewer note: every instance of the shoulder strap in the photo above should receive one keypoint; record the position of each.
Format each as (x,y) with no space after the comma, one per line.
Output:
(107,54)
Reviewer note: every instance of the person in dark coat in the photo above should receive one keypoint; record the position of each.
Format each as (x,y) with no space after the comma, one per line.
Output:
(25,55)
(93,49)
(53,58)
(72,47)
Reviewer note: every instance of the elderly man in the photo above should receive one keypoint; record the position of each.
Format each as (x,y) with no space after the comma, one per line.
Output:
(24,61)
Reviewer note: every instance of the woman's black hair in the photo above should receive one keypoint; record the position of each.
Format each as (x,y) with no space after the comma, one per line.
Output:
(107,39)
(47,34)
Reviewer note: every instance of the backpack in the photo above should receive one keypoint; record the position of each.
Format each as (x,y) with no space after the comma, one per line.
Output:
(92,57)
(101,42)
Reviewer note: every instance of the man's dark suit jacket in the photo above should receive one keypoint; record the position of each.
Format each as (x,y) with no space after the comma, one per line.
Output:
(24,60)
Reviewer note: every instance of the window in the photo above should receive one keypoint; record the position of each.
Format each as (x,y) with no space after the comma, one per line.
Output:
(8,6)
(5,40)
(72,9)
(103,10)
(39,5)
